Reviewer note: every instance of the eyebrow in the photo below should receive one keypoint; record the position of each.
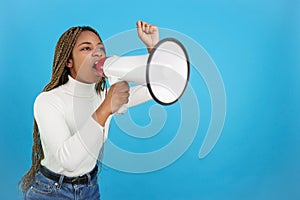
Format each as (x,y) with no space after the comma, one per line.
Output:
(100,43)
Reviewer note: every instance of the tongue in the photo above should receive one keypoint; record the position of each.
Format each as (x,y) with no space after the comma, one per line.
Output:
(99,66)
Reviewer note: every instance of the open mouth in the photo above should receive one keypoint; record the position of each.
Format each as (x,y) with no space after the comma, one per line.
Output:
(98,66)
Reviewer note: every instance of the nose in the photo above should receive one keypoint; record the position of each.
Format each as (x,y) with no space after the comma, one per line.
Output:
(98,52)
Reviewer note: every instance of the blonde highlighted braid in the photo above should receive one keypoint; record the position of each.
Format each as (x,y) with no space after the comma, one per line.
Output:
(60,72)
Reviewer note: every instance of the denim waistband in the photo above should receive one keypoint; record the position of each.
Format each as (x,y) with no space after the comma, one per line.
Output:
(84,179)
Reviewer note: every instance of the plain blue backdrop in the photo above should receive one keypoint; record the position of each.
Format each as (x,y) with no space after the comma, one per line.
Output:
(256,46)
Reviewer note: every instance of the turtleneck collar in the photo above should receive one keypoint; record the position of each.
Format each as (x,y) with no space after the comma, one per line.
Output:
(79,89)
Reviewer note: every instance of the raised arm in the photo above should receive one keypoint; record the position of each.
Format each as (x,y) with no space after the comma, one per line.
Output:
(148,33)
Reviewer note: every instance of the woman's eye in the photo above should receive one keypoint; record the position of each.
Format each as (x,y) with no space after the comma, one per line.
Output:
(101,49)
(86,49)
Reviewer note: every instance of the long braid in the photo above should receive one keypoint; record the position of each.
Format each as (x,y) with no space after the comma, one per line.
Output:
(60,72)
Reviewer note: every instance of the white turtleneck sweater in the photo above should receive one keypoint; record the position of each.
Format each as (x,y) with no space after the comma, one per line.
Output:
(71,138)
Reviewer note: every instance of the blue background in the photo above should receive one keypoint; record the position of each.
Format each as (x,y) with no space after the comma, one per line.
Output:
(256,46)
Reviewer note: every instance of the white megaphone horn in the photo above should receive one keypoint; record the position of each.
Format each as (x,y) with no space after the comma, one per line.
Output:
(165,71)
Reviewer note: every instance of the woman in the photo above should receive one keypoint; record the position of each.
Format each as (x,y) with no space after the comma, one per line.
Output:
(72,117)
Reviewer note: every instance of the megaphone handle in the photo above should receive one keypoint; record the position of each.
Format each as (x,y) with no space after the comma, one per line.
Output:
(138,95)
(122,109)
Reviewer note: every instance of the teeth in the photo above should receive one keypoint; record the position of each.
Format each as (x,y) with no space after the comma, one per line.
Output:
(95,64)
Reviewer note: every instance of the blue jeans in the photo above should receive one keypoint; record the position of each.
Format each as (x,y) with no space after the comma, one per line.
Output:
(44,188)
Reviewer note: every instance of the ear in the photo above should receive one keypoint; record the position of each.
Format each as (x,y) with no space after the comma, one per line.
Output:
(70,63)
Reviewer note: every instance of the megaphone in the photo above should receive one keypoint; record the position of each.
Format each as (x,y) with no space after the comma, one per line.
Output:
(165,71)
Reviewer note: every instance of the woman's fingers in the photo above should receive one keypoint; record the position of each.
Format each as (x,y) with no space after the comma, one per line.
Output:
(145,27)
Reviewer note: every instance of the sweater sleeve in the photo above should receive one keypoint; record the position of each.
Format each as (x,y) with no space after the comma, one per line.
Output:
(70,149)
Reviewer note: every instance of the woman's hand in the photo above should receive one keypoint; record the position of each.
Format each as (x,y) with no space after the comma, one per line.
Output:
(117,96)
(148,33)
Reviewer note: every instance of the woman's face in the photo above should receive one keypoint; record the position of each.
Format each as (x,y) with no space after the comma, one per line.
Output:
(87,51)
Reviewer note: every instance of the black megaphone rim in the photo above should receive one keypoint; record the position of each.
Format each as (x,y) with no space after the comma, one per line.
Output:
(148,69)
